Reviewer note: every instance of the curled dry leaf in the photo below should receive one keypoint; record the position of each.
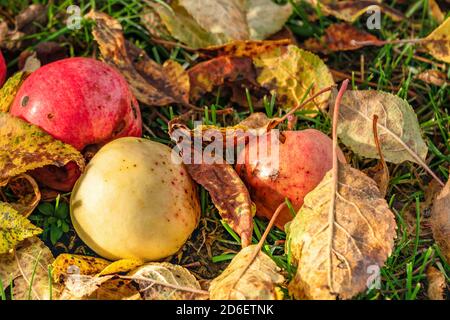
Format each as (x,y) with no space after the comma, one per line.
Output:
(433,77)
(228,192)
(151,83)
(335,252)
(166,281)
(440,221)
(26,147)
(26,190)
(14,228)
(339,37)
(289,72)
(9,90)
(350,11)
(28,268)
(259,282)
(436,284)
(437,43)
(398,128)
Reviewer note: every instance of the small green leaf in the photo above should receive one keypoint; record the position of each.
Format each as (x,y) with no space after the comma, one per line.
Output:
(46,209)
(55,234)
(62,211)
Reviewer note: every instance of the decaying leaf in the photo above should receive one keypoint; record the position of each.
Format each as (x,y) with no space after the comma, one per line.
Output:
(14,228)
(44,52)
(166,281)
(25,147)
(27,22)
(434,77)
(335,252)
(437,43)
(228,192)
(27,192)
(339,37)
(208,75)
(350,11)
(151,83)
(440,221)
(247,48)
(67,264)
(28,268)
(289,72)
(9,90)
(436,284)
(152,21)
(398,128)
(260,282)
(435,11)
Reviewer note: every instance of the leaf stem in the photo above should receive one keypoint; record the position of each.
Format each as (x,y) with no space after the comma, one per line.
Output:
(335,178)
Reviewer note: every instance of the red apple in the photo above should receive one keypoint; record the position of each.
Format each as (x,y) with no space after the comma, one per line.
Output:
(304,159)
(81,102)
(2,69)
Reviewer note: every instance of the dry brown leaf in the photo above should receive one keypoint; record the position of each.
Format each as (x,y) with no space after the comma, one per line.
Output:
(436,284)
(440,221)
(434,77)
(26,147)
(335,254)
(166,281)
(339,37)
(151,83)
(228,192)
(28,267)
(259,282)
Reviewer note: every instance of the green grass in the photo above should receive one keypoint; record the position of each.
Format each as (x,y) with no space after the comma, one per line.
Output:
(390,68)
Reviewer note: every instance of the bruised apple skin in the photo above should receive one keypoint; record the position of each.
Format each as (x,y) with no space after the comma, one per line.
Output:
(304,159)
(80,101)
(133,201)
(2,70)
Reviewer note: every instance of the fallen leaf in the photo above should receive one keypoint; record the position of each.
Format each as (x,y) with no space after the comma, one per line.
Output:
(350,11)
(335,252)
(26,191)
(433,77)
(25,147)
(45,52)
(121,266)
(152,21)
(116,289)
(9,90)
(339,37)
(260,282)
(166,281)
(440,221)
(437,43)
(237,19)
(435,11)
(183,27)
(246,48)
(289,72)
(14,228)
(207,76)
(28,267)
(227,191)
(27,22)
(69,264)
(152,84)
(80,287)
(31,64)
(398,128)
(436,284)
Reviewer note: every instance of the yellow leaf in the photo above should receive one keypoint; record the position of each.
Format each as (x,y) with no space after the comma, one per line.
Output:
(438,44)
(24,147)
(121,266)
(289,72)
(14,228)
(67,264)
(9,90)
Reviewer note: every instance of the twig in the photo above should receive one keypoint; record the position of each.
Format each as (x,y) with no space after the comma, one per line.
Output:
(335,178)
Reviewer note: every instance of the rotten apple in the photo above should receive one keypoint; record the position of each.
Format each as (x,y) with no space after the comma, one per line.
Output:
(80,101)
(304,157)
